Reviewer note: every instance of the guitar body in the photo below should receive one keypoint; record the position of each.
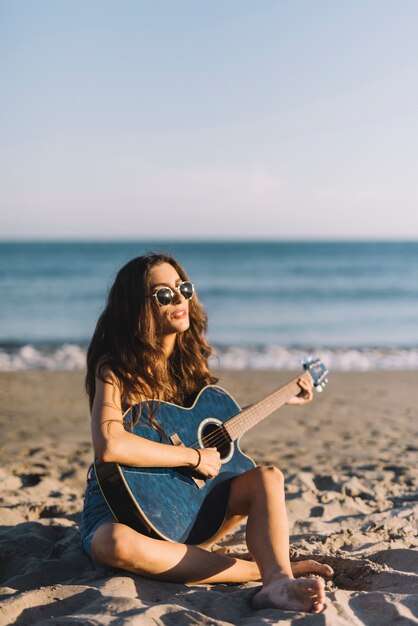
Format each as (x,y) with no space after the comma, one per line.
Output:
(174,503)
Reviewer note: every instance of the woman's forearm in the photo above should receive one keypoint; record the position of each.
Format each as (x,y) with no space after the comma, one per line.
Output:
(129,449)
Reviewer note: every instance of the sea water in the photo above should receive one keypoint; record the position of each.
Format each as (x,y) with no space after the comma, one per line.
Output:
(268,303)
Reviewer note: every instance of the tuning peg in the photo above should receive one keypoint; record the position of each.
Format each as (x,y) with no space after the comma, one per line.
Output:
(307,359)
(318,388)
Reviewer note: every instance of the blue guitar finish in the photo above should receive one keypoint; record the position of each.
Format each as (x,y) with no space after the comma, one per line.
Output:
(173,503)
(167,503)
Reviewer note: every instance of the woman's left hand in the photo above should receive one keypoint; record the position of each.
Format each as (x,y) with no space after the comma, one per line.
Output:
(306,393)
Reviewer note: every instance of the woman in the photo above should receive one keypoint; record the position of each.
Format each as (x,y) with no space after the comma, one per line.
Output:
(150,343)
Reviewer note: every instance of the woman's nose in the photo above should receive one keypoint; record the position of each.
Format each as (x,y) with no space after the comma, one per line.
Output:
(178,296)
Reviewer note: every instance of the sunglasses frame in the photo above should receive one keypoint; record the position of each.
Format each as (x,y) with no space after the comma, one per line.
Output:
(178,289)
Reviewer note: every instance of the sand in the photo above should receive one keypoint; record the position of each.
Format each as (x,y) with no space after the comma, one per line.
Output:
(350,461)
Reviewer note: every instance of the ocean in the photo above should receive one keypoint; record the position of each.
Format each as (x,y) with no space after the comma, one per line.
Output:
(355,304)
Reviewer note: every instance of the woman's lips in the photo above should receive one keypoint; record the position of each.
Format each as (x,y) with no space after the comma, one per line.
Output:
(179,314)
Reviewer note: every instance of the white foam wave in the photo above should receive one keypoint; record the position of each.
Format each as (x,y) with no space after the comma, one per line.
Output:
(343,359)
(73,357)
(65,357)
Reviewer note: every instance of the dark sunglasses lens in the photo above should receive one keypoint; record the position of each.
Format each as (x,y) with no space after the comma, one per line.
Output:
(164,295)
(186,289)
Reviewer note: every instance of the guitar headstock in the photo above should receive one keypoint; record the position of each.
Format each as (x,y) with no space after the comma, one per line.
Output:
(317,371)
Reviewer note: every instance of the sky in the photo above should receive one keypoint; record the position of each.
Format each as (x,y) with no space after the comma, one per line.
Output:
(285,119)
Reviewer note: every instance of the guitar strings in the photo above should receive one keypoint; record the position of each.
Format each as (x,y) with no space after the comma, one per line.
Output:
(213,440)
(221,435)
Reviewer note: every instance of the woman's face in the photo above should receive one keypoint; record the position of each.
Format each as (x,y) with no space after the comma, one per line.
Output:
(173,317)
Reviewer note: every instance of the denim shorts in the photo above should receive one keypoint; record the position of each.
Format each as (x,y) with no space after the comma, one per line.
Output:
(95,512)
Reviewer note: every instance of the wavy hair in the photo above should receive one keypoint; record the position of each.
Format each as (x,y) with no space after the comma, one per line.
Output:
(126,342)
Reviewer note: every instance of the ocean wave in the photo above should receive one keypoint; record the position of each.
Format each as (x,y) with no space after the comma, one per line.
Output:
(67,356)
(343,359)
(73,357)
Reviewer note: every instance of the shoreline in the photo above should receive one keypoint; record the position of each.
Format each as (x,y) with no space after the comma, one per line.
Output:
(71,356)
(350,461)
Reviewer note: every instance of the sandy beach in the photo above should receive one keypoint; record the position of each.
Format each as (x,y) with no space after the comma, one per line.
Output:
(350,461)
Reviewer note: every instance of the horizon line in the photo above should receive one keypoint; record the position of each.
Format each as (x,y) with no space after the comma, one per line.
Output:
(199,239)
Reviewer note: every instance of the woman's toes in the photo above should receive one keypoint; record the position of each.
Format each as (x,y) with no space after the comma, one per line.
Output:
(304,594)
(301,568)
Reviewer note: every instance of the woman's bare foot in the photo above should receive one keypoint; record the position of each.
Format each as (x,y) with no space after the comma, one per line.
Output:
(301,568)
(303,594)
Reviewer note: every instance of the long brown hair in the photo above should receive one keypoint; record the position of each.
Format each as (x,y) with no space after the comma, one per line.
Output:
(126,342)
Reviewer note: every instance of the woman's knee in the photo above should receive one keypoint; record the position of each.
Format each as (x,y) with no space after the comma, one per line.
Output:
(260,481)
(111,545)
(269,475)
(262,476)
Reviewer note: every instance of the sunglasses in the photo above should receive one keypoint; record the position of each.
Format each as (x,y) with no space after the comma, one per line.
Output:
(165,295)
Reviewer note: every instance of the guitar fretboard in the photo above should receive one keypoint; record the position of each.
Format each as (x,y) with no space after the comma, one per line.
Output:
(239,424)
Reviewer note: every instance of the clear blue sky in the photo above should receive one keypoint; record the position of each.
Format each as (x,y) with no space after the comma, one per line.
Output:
(224,118)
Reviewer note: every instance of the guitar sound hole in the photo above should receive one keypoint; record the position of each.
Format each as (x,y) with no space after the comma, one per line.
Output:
(214,436)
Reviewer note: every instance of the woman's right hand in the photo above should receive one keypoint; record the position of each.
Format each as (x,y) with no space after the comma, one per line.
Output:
(210,462)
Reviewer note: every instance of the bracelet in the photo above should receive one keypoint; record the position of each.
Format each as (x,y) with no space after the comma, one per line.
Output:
(198,460)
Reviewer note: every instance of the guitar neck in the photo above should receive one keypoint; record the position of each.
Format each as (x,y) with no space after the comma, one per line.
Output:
(242,422)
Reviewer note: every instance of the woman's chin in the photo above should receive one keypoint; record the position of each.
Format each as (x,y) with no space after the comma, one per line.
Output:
(178,327)
(183,325)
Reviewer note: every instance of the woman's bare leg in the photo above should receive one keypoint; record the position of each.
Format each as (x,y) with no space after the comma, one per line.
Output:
(117,545)
(299,568)
(259,494)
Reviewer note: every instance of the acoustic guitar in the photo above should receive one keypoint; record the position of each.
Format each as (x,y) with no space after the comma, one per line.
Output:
(177,504)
